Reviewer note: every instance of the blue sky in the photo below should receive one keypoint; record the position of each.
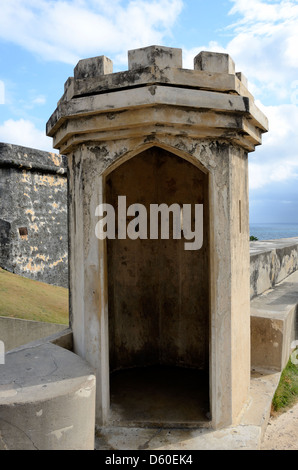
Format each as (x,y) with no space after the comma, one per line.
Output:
(42,40)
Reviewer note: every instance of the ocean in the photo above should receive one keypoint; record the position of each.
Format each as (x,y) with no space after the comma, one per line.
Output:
(273,231)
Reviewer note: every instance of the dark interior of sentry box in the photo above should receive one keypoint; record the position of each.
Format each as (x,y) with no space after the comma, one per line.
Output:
(158,300)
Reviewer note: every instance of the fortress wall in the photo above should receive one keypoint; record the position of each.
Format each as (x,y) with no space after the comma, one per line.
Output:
(33,214)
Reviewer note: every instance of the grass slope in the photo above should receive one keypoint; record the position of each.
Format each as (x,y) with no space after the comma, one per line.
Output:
(286,394)
(32,300)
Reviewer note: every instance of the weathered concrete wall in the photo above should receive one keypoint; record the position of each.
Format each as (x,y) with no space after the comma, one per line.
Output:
(15,332)
(271,262)
(240,321)
(33,214)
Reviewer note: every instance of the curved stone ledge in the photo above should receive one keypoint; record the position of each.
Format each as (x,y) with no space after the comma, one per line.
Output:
(47,400)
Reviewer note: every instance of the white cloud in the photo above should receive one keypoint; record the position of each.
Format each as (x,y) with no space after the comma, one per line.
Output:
(31,102)
(39,100)
(277,159)
(69,30)
(260,175)
(265,41)
(255,11)
(263,46)
(23,132)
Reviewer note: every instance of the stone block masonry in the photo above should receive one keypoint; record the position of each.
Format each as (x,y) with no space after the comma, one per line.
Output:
(33,214)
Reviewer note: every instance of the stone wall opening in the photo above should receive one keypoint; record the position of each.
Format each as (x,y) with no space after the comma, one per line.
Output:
(158,299)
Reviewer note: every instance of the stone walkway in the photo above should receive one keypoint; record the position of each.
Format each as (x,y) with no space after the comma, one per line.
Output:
(282,431)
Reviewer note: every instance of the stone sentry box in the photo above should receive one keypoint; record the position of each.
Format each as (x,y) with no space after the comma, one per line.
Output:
(159,133)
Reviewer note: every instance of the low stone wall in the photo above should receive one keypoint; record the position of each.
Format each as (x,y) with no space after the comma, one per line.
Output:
(15,332)
(270,262)
(273,325)
(274,302)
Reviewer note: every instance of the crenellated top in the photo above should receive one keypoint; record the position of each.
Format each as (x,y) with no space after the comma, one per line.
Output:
(156,80)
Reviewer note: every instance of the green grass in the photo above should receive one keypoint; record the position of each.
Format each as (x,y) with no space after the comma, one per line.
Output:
(32,300)
(286,394)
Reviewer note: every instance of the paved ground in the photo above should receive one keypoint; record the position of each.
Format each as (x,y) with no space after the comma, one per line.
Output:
(245,434)
(281,434)
(282,431)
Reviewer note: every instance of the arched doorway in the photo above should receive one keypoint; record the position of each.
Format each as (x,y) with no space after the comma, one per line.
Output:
(158,299)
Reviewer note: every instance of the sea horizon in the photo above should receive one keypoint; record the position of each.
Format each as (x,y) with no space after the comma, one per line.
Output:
(273,230)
